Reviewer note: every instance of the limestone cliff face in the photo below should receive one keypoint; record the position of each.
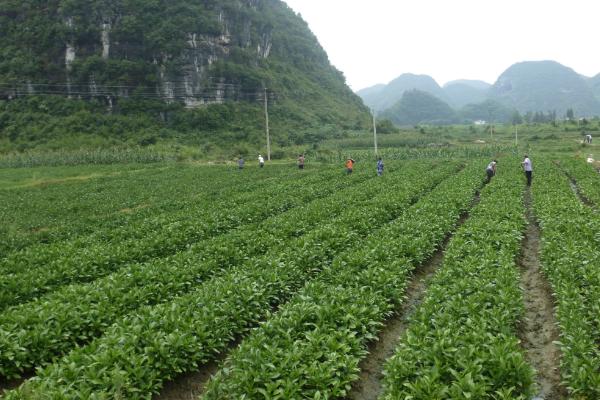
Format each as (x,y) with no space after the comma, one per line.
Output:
(195,51)
(182,73)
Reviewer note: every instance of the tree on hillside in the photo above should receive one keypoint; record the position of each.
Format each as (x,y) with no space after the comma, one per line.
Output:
(570,114)
(386,126)
(517,119)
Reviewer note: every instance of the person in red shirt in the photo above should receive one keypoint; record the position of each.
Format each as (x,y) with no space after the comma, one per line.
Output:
(349,165)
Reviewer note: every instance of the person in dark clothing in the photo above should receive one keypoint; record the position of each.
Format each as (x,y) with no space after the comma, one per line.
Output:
(491,170)
(528,168)
(301,161)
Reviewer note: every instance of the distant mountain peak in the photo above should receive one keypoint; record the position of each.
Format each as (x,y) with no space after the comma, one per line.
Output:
(543,86)
(381,98)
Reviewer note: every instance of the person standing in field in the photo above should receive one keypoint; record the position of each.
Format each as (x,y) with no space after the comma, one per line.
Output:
(528,168)
(241,163)
(491,170)
(261,161)
(300,161)
(379,167)
(349,165)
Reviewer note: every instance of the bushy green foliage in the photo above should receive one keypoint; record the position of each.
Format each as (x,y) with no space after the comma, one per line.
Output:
(386,126)
(569,258)
(178,336)
(488,110)
(312,346)
(462,341)
(162,279)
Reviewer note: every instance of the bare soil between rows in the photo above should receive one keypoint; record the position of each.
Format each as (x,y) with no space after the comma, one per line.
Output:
(193,384)
(189,386)
(578,193)
(369,386)
(575,188)
(10,384)
(539,330)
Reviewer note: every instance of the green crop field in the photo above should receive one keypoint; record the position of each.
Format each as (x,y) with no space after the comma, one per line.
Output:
(176,280)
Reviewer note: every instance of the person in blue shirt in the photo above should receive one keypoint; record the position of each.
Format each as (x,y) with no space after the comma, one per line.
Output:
(379,167)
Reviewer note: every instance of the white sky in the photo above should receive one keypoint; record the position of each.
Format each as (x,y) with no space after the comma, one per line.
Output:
(375,41)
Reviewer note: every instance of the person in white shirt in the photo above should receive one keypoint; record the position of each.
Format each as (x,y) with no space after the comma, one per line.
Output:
(491,170)
(527,167)
(261,161)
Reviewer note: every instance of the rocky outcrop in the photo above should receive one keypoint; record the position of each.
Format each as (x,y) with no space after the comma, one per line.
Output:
(181,66)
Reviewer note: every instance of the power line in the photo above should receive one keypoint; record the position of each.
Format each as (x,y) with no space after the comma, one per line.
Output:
(178,94)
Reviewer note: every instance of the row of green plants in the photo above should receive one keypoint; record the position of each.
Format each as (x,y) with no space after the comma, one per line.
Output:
(39,270)
(36,332)
(153,345)
(105,204)
(461,343)
(450,152)
(570,260)
(312,346)
(585,176)
(97,156)
(97,199)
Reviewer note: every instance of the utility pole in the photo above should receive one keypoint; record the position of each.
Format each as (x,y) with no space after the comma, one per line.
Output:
(267,125)
(516,135)
(374,132)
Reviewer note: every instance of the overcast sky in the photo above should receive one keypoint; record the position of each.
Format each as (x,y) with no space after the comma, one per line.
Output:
(375,41)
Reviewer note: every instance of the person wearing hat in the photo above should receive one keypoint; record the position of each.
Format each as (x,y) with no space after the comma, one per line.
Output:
(528,168)
(261,161)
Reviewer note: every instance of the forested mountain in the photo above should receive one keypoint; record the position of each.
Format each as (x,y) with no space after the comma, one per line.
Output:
(528,87)
(418,107)
(118,55)
(462,92)
(595,85)
(544,86)
(370,91)
(487,110)
(382,97)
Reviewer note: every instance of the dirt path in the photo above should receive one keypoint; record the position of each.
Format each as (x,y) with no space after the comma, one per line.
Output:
(574,187)
(578,193)
(538,330)
(192,385)
(12,384)
(369,385)
(188,386)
